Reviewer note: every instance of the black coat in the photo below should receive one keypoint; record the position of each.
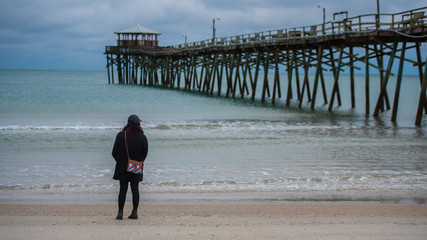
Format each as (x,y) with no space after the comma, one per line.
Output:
(138,149)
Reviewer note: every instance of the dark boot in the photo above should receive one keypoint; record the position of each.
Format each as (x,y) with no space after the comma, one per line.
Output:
(120,215)
(134,214)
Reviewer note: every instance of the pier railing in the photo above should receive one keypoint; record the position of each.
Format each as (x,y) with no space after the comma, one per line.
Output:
(404,22)
(401,22)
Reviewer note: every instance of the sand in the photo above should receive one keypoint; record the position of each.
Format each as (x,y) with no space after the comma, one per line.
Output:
(233,220)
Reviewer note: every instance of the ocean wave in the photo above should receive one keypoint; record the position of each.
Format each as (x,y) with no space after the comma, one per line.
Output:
(292,184)
(336,185)
(55,128)
(186,125)
(243,127)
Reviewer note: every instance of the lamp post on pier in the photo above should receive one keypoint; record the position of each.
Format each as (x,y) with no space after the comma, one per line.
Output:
(377,17)
(323,26)
(185,38)
(213,29)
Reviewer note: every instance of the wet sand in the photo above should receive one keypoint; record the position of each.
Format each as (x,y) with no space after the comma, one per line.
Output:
(216,220)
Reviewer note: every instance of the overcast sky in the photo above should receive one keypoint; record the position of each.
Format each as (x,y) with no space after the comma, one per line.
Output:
(72,34)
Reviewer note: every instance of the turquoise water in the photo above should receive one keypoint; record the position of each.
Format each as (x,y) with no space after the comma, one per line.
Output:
(202,144)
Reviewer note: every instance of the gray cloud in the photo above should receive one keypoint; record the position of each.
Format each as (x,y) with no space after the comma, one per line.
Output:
(73,33)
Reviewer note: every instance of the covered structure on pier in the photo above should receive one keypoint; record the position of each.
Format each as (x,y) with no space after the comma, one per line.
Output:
(137,36)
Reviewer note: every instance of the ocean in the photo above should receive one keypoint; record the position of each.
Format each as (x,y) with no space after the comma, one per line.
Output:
(57,130)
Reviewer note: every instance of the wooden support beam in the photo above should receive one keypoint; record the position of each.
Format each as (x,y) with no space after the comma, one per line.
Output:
(290,61)
(127,69)
(108,68)
(336,72)
(380,63)
(215,72)
(251,79)
(192,73)
(156,75)
(206,79)
(306,83)
(148,74)
(119,69)
(194,78)
(230,76)
(245,68)
(398,83)
(422,100)
(143,71)
(420,70)
(211,78)
(384,84)
(398,50)
(382,77)
(220,75)
(366,60)
(237,77)
(169,74)
(123,72)
(177,73)
(202,74)
(419,66)
(187,74)
(174,72)
(265,85)
(125,75)
(298,87)
(335,88)
(162,72)
(141,74)
(153,75)
(209,72)
(276,84)
(322,81)
(145,74)
(132,70)
(353,102)
(348,55)
(167,77)
(166,73)
(254,85)
(367,103)
(112,70)
(135,69)
(317,75)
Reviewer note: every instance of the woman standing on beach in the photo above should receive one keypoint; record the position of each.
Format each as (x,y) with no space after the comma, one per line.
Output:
(137,145)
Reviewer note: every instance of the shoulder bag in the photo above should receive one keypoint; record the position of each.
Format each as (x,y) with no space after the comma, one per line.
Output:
(133,165)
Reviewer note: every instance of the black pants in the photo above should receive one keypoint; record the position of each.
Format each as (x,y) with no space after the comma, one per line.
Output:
(124,189)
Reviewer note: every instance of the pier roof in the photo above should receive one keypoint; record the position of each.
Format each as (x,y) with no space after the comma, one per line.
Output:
(137,29)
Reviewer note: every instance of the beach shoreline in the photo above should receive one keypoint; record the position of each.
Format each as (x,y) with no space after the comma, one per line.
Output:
(215,220)
(346,197)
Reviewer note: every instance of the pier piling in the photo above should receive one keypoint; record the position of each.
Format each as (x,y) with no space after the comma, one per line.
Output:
(236,66)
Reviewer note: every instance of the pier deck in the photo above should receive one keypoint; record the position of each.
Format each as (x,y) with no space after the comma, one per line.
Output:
(359,43)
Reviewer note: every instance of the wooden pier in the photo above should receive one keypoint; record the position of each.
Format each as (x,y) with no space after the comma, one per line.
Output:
(243,62)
